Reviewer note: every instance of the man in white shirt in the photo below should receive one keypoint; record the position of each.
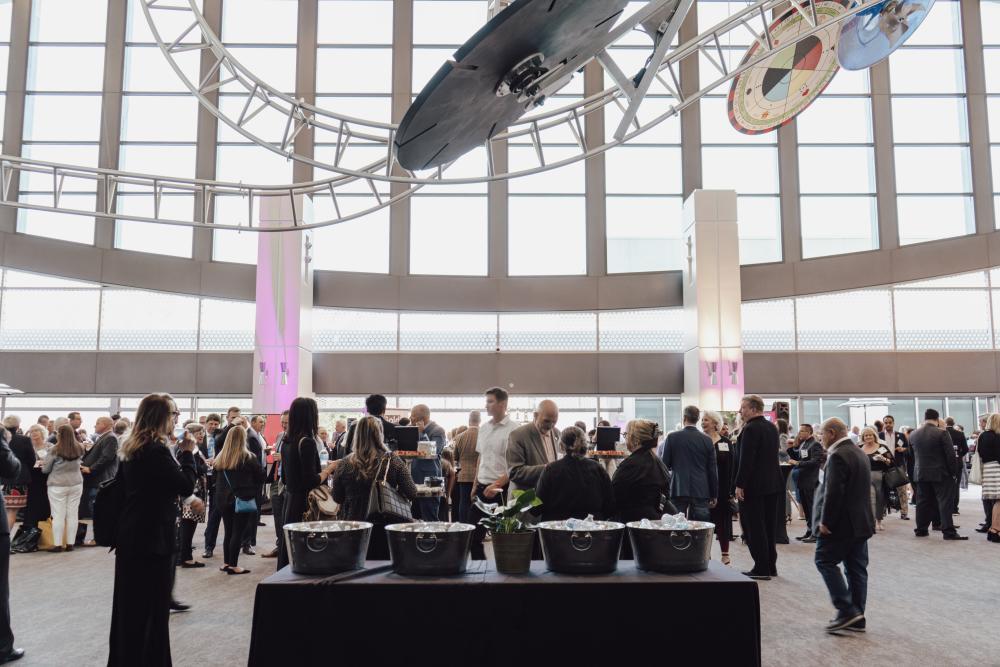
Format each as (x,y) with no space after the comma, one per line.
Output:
(491,468)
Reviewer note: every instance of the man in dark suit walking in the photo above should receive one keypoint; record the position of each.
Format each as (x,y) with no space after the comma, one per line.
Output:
(10,468)
(808,456)
(934,476)
(961,451)
(844,522)
(759,486)
(690,455)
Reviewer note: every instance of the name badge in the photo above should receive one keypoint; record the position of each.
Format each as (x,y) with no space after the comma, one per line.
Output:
(723,447)
(805,456)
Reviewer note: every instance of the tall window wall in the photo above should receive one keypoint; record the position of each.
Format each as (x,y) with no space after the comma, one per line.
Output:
(5,18)
(737,161)
(65,70)
(930,130)
(990,10)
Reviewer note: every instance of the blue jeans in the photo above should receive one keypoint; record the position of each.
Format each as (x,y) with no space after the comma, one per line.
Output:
(695,509)
(850,596)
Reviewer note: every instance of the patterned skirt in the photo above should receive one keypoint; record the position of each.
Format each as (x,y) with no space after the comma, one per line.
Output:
(991,480)
(15,497)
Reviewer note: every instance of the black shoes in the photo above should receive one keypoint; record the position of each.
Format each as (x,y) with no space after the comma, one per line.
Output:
(858,626)
(273,553)
(809,540)
(249,550)
(993,537)
(757,577)
(845,621)
(804,537)
(982,529)
(207,554)
(921,533)
(14,654)
(905,518)
(955,536)
(178,606)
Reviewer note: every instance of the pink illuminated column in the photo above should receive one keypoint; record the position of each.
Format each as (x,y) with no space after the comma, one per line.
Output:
(713,345)
(282,357)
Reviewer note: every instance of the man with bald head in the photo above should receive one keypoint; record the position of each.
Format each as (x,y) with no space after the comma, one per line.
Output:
(99,464)
(533,446)
(427,509)
(843,521)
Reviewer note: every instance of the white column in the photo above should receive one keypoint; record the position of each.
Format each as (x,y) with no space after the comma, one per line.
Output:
(283,348)
(713,356)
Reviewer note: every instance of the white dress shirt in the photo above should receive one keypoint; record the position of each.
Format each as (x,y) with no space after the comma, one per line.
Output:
(491,444)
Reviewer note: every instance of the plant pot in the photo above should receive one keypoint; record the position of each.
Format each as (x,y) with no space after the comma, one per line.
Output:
(513,551)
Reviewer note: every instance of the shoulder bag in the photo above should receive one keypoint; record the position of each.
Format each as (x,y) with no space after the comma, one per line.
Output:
(320,503)
(242,506)
(108,507)
(385,504)
(976,473)
(896,477)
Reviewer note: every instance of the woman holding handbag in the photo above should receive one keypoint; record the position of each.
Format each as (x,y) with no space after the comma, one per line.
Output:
(370,463)
(238,476)
(988,451)
(300,467)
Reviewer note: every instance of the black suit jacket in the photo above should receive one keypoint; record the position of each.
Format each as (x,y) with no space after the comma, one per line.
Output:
(10,468)
(934,454)
(153,481)
(898,440)
(844,498)
(388,436)
(102,459)
(20,446)
(759,474)
(810,464)
(574,487)
(961,444)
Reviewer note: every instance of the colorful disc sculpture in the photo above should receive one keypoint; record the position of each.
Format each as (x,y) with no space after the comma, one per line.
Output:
(773,92)
(875,33)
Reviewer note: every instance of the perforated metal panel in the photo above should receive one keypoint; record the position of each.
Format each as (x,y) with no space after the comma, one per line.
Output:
(448,332)
(957,319)
(642,330)
(337,330)
(227,325)
(142,320)
(49,319)
(562,332)
(859,320)
(768,325)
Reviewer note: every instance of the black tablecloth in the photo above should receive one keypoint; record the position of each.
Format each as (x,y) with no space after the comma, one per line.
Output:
(375,617)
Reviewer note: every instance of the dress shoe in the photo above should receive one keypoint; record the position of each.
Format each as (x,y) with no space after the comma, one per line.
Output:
(982,530)
(249,550)
(261,524)
(758,577)
(55,550)
(993,537)
(178,606)
(955,536)
(921,533)
(207,554)
(905,518)
(14,654)
(807,535)
(844,621)
(858,626)
(809,540)
(273,553)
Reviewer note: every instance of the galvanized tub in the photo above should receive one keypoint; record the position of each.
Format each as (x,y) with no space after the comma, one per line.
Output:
(671,550)
(432,548)
(588,551)
(327,547)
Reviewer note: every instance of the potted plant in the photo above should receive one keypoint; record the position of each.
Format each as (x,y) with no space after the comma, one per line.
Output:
(512,537)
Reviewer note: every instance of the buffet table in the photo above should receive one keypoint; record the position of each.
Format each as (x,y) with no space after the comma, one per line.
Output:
(374,617)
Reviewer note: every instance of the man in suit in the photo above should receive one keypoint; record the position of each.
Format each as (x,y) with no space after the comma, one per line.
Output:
(98,465)
(808,457)
(690,455)
(961,451)
(759,486)
(533,446)
(934,476)
(257,446)
(375,407)
(277,490)
(10,468)
(900,446)
(420,469)
(844,523)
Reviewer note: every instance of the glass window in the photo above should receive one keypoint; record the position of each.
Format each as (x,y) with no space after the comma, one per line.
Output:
(836,169)
(990,11)
(126,316)
(933,169)
(354,330)
(963,324)
(759,220)
(65,68)
(768,325)
(448,332)
(836,120)
(910,114)
(355,22)
(227,325)
(817,330)
(934,71)
(260,22)
(556,332)
(360,245)
(644,234)
(641,330)
(748,170)
(643,170)
(49,319)
(69,20)
(547,236)
(233,246)
(450,22)
(837,225)
(448,236)
(963,411)
(930,218)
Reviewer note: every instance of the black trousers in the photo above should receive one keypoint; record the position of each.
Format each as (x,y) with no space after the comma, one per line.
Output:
(250,534)
(212,526)
(140,613)
(187,528)
(278,514)
(478,550)
(806,496)
(759,524)
(236,528)
(6,634)
(988,508)
(935,500)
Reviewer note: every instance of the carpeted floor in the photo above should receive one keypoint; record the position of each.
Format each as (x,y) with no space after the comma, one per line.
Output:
(930,602)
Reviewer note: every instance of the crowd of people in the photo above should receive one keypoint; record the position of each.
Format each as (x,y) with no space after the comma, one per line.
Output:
(220,471)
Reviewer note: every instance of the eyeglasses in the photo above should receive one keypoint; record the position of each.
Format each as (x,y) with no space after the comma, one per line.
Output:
(175,413)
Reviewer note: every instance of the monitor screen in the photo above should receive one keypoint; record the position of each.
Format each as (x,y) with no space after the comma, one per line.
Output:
(607,438)
(406,438)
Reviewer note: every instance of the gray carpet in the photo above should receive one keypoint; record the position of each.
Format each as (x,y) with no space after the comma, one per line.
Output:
(930,602)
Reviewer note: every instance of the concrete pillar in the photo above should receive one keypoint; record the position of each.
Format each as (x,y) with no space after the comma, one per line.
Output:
(713,345)
(283,347)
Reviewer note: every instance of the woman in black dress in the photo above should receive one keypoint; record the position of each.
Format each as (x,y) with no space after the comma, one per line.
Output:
(300,467)
(641,484)
(352,483)
(144,549)
(574,486)
(722,513)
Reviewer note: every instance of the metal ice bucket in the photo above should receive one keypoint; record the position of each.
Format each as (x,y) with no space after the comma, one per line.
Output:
(670,550)
(432,548)
(592,551)
(327,547)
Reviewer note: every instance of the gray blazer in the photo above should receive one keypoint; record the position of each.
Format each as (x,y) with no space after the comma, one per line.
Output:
(526,456)
(690,455)
(934,454)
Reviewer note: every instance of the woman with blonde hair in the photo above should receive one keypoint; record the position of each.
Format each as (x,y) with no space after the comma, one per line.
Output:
(988,448)
(641,485)
(65,485)
(353,479)
(722,513)
(881,460)
(145,537)
(238,475)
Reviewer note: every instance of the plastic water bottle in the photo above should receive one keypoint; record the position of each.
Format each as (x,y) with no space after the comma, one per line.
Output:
(324,456)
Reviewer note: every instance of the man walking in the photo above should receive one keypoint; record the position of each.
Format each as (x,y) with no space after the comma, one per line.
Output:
(759,486)
(808,457)
(690,455)
(844,524)
(934,477)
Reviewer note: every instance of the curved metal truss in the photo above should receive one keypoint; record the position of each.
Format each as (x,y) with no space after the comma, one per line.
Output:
(356,139)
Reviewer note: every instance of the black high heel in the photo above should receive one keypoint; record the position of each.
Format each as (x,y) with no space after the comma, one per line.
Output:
(232,571)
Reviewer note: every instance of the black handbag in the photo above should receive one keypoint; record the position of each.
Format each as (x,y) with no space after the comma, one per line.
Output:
(385,504)
(895,477)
